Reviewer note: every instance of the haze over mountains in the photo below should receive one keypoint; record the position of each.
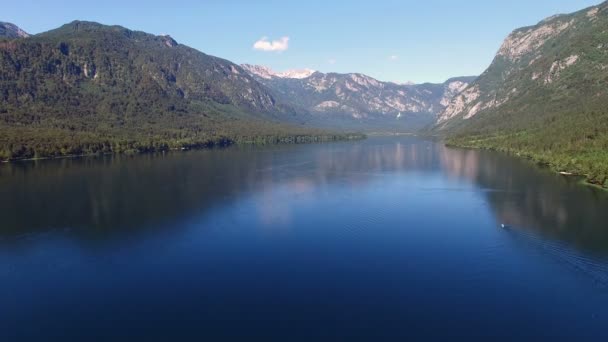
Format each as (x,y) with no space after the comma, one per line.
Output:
(358,101)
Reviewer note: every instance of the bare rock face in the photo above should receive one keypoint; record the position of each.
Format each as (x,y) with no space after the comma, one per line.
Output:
(524,41)
(538,59)
(259,71)
(357,97)
(11,31)
(168,41)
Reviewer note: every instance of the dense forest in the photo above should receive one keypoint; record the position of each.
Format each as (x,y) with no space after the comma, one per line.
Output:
(88,88)
(572,142)
(545,97)
(42,142)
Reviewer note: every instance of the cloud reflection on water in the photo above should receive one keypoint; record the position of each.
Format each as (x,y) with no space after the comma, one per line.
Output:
(101,197)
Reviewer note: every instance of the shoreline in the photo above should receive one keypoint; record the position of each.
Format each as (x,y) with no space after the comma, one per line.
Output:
(585,179)
(197,147)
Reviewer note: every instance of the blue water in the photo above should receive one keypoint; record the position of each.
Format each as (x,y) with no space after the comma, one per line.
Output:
(387,238)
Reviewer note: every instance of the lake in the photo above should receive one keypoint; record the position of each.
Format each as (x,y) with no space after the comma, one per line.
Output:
(386,238)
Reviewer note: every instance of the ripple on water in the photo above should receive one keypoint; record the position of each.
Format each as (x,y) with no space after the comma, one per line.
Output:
(588,265)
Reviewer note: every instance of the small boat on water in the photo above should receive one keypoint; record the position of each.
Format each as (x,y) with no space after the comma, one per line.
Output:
(504,226)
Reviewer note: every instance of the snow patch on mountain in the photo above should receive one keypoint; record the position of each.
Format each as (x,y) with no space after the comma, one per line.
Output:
(297,73)
(267,73)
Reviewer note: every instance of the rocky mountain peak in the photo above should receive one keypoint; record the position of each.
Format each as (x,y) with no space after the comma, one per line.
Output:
(169,41)
(536,59)
(12,31)
(267,73)
(359,100)
(296,73)
(523,41)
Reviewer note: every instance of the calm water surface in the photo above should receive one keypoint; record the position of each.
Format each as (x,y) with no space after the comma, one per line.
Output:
(378,239)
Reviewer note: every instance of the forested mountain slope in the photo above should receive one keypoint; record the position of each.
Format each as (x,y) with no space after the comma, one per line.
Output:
(87,87)
(544,96)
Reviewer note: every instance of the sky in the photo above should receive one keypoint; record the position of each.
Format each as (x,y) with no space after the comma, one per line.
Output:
(398,41)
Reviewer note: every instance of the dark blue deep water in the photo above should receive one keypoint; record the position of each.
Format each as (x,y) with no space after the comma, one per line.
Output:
(381,239)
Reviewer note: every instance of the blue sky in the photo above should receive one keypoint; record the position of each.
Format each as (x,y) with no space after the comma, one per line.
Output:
(420,41)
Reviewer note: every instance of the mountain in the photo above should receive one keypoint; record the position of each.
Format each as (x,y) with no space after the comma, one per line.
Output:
(359,101)
(298,73)
(11,31)
(267,73)
(87,87)
(544,96)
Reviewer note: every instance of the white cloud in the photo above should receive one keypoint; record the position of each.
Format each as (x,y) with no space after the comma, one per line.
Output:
(331,61)
(278,45)
(393,57)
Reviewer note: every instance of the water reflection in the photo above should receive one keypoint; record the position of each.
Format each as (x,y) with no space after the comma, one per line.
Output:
(96,198)
(529,198)
(93,197)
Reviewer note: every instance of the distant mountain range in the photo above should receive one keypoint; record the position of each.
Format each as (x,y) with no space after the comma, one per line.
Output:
(544,96)
(87,87)
(359,101)
(268,74)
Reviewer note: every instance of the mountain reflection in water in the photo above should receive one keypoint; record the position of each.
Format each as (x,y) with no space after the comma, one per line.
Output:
(94,197)
(526,197)
(374,240)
